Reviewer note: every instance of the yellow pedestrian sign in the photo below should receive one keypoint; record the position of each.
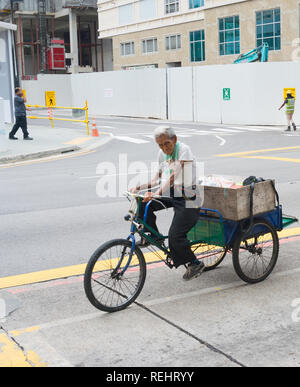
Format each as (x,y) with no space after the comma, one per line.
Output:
(50,99)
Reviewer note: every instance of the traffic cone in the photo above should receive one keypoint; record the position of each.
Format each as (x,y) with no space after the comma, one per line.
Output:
(94,130)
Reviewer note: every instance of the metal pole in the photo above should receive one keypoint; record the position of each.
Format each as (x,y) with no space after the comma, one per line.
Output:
(87,118)
(96,47)
(21,45)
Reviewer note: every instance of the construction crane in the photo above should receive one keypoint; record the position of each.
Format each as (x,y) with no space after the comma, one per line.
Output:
(260,54)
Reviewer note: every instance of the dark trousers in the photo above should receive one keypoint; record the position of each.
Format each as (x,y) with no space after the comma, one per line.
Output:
(21,122)
(184,219)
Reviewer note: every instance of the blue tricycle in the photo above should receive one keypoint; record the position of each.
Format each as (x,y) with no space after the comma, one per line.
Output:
(116,272)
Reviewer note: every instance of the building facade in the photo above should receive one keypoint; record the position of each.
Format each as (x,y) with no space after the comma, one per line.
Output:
(174,33)
(72,23)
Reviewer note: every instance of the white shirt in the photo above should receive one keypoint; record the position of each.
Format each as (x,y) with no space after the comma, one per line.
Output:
(187,177)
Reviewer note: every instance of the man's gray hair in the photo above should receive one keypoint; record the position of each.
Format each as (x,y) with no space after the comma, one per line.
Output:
(164,131)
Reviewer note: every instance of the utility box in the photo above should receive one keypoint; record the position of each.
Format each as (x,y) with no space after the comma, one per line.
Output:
(57,55)
(234,203)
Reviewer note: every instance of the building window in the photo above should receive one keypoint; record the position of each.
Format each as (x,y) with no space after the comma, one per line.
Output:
(149,45)
(126,15)
(268,28)
(127,48)
(171,6)
(173,42)
(197,44)
(196,3)
(148,9)
(229,35)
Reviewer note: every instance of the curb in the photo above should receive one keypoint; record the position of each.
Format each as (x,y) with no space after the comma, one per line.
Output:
(38,155)
(55,152)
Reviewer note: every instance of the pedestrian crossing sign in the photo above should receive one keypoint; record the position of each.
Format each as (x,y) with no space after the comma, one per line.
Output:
(50,99)
(226,94)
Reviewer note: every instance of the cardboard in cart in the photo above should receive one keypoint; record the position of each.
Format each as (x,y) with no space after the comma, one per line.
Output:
(232,199)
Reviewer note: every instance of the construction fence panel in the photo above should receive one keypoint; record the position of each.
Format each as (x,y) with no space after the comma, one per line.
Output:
(139,93)
(180,94)
(187,94)
(256,92)
(61,84)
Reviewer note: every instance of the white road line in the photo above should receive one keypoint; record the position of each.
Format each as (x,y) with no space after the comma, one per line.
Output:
(248,129)
(227,130)
(223,141)
(130,139)
(118,174)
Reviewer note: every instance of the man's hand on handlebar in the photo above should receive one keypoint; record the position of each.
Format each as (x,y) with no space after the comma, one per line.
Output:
(150,195)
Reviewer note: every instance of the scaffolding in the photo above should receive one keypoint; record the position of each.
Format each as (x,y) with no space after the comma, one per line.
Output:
(38,25)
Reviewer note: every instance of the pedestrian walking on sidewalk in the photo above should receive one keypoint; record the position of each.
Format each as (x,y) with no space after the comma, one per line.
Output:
(20,114)
(290,110)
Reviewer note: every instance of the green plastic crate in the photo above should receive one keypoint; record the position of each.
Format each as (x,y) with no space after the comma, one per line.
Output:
(207,231)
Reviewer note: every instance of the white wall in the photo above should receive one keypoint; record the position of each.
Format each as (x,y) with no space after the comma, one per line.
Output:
(193,93)
(140,93)
(180,94)
(61,84)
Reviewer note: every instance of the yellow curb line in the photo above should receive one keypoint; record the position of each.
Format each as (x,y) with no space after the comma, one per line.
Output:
(77,270)
(240,154)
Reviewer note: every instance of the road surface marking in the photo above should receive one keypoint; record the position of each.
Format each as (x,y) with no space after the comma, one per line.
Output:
(76,270)
(223,141)
(130,139)
(285,159)
(157,301)
(12,355)
(241,154)
(248,129)
(145,172)
(227,130)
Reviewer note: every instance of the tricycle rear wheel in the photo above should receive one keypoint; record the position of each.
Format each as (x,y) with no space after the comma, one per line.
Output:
(255,255)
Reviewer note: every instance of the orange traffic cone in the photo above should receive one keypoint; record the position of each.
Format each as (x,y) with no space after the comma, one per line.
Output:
(94,130)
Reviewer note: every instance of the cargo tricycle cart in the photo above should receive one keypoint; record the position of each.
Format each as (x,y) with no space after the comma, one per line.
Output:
(116,272)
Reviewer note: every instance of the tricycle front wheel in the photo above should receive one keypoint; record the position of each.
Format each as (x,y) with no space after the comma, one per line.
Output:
(114,277)
(255,254)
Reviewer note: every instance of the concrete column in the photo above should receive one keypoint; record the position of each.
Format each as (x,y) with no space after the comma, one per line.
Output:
(73,41)
(2,124)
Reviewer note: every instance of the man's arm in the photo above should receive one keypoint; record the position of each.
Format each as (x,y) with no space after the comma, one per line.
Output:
(149,185)
(284,103)
(169,183)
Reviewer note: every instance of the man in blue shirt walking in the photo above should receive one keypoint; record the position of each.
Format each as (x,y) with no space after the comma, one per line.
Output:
(20,113)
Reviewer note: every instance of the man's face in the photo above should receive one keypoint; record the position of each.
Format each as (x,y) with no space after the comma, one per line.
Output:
(19,93)
(166,143)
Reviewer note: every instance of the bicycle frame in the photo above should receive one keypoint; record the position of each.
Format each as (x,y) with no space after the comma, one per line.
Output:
(136,222)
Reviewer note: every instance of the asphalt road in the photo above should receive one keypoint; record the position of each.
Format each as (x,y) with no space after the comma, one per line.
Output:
(51,217)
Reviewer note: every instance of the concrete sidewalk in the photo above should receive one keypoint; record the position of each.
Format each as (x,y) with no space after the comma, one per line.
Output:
(47,142)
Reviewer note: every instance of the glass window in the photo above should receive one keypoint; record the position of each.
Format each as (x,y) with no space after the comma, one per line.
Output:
(173,42)
(196,3)
(229,35)
(127,48)
(171,6)
(268,28)
(149,45)
(197,46)
(126,14)
(148,9)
